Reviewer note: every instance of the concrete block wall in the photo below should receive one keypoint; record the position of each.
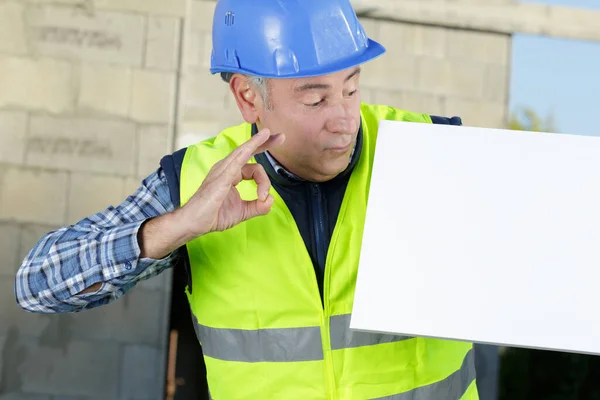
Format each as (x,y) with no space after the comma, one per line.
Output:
(440,71)
(92,94)
(87,108)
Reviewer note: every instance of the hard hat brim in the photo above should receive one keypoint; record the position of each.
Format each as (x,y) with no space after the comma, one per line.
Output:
(374,50)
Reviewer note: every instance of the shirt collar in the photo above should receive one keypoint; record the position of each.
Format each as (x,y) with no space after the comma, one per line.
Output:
(280,169)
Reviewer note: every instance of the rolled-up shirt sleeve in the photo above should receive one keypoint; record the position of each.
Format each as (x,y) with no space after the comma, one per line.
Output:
(102,248)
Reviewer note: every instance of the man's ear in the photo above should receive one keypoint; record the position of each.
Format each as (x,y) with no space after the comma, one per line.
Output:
(247,98)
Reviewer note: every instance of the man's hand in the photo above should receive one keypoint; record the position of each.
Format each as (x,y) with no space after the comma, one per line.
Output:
(216,205)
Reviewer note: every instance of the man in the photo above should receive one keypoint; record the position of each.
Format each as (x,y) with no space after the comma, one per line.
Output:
(269,218)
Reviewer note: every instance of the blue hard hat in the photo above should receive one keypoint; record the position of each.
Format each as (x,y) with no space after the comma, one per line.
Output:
(288,38)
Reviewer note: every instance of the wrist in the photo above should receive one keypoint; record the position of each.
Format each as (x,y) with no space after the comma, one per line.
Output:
(183,223)
(160,236)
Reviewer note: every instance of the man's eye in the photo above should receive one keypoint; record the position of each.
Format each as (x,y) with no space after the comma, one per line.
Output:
(318,103)
(352,93)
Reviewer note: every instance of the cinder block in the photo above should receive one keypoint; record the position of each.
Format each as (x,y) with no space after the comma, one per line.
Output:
(198,49)
(392,98)
(162,43)
(397,68)
(434,76)
(136,318)
(79,34)
(369,76)
(430,41)
(496,83)
(9,248)
(411,101)
(41,84)
(13,317)
(467,46)
(12,28)
(74,398)
(231,115)
(78,3)
(70,367)
(397,37)
(396,72)
(131,185)
(153,144)
(174,8)
(11,384)
(367,95)
(231,107)
(194,131)
(451,78)
(203,96)
(82,144)
(198,37)
(140,383)
(12,352)
(105,89)
(32,195)
(90,194)
(371,27)
(477,113)
(424,103)
(401,39)
(13,126)
(24,396)
(2,344)
(201,15)
(153,94)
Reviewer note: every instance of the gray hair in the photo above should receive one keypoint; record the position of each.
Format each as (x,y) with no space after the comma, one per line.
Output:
(261,84)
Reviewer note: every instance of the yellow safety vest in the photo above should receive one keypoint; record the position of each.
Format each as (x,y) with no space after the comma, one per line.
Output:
(258,313)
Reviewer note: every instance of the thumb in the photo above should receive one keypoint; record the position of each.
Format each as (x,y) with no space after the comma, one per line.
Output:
(257,208)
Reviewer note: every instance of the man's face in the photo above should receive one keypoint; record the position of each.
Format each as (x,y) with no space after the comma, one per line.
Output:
(320,118)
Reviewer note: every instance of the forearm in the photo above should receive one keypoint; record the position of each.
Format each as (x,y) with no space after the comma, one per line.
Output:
(160,236)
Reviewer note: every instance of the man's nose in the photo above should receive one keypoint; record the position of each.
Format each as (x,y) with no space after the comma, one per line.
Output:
(346,125)
(342,120)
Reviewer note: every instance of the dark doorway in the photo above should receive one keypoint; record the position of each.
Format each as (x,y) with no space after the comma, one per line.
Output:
(186,376)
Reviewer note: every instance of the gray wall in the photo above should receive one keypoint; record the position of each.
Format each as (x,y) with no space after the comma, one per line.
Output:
(92,94)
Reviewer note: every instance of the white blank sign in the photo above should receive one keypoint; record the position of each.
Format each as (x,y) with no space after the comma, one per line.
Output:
(489,236)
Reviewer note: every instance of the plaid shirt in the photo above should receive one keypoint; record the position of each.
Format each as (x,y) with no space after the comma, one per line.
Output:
(100,248)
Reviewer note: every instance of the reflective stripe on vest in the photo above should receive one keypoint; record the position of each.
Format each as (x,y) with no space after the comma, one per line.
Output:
(342,337)
(451,388)
(284,344)
(260,345)
(304,344)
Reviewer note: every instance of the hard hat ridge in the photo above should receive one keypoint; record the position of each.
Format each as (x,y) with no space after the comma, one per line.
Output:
(288,38)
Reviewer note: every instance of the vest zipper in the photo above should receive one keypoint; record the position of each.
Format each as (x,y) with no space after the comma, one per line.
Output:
(319,226)
(321,247)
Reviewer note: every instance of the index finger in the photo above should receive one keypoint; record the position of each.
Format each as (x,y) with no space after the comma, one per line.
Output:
(257,144)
